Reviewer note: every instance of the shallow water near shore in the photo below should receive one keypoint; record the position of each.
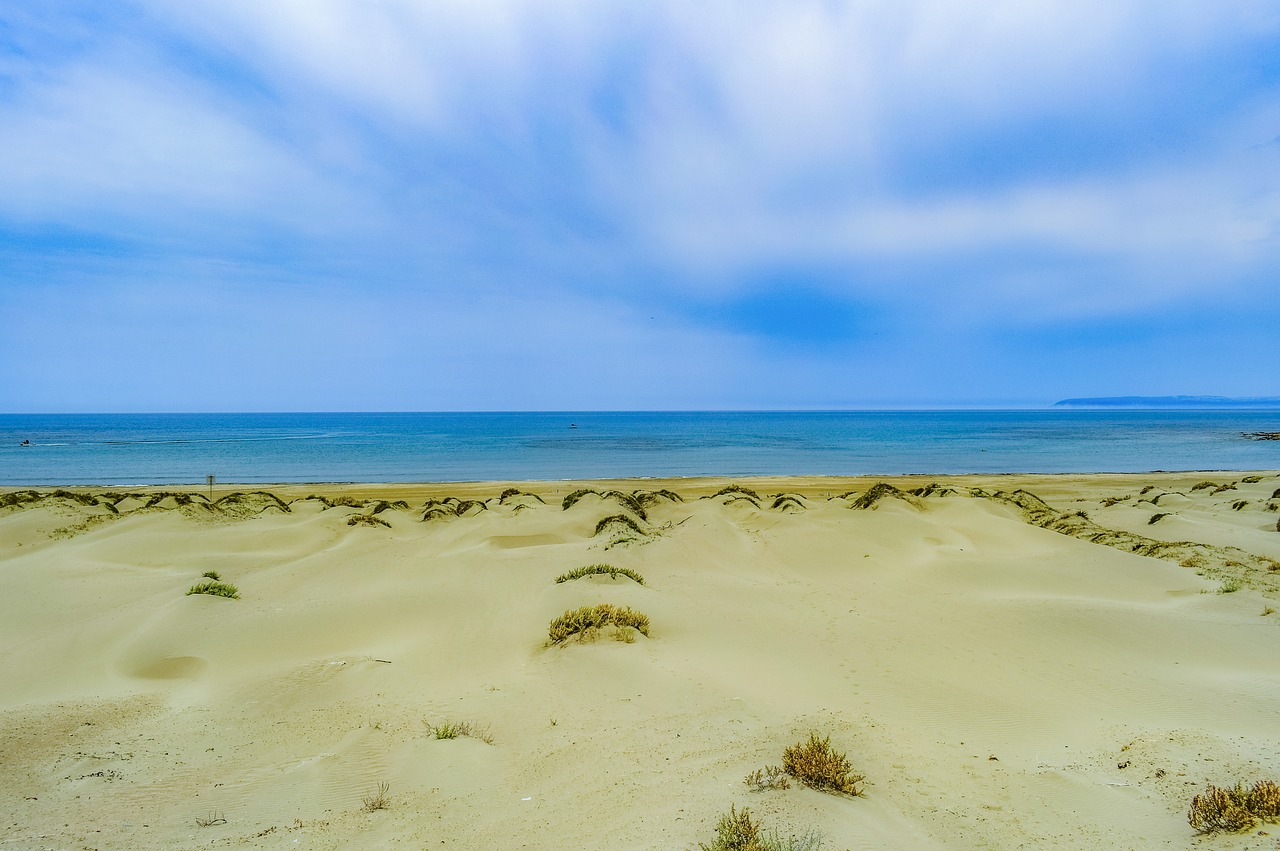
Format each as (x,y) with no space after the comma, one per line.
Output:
(403,447)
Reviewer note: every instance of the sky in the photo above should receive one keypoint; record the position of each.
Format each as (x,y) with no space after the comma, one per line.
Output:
(382,205)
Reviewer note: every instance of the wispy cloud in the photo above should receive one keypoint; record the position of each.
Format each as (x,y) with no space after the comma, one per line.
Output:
(755,195)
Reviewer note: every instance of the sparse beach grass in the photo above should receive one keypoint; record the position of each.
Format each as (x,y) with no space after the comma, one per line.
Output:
(587,621)
(600,570)
(461,729)
(214,588)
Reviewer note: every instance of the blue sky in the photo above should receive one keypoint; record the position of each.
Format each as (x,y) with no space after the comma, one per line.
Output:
(500,204)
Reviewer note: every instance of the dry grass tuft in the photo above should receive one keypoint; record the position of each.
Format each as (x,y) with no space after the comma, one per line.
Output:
(214,588)
(367,520)
(378,799)
(214,818)
(769,777)
(735,490)
(735,832)
(600,569)
(588,620)
(818,766)
(468,729)
(619,519)
(1235,809)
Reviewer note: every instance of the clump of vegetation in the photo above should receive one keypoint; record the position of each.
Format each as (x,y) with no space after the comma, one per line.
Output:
(647,498)
(1239,504)
(215,588)
(468,729)
(467,504)
(211,574)
(436,509)
(1230,585)
(214,818)
(348,501)
(1229,486)
(1251,480)
(788,502)
(1156,518)
(736,490)
(1235,808)
(600,569)
(877,492)
(382,505)
(570,500)
(620,519)
(367,520)
(1199,486)
(513,492)
(626,500)
(1267,610)
(379,798)
(588,620)
(737,831)
(769,777)
(818,766)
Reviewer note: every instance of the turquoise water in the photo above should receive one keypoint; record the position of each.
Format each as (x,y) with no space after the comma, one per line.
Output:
(255,448)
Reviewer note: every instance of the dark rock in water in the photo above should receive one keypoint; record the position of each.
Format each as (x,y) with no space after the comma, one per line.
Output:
(1261,435)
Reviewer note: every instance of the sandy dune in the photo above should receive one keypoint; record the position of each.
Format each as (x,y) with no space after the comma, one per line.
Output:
(1006,672)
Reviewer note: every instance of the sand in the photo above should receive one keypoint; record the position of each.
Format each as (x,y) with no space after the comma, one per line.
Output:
(1005,672)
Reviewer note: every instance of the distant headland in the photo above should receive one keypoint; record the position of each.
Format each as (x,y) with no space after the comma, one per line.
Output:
(1171,402)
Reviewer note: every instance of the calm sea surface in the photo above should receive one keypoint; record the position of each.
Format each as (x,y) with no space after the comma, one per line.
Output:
(249,448)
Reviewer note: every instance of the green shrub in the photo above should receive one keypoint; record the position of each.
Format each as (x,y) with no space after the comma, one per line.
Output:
(818,766)
(211,574)
(215,589)
(367,520)
(587,620)
(600,569)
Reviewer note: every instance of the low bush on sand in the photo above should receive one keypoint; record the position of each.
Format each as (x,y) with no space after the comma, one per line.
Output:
(378,799)
(600,570)
(215,589)
(769,777)
(1235,808)
(818,766)
(456,729)
(211,574)
(737,831)
(367,520)
(587,621)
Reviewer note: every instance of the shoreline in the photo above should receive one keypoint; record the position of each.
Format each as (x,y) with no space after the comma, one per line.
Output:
(697,485)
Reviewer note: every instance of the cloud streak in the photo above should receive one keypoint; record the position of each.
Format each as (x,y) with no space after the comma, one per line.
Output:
(727,187)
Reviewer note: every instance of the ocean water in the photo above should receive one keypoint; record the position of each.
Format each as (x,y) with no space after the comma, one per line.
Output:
(122,449)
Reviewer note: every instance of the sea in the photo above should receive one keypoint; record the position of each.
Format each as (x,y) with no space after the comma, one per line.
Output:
(254,448)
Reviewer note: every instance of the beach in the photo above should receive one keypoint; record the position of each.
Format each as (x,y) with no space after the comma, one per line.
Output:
(1010,661)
